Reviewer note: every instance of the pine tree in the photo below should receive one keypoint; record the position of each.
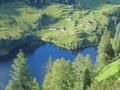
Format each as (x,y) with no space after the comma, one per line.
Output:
(50,64)
(81,4)
(87,79)
(21,78)
(60,78)
(80,66)
(48,76)
(105,50)
(116,41)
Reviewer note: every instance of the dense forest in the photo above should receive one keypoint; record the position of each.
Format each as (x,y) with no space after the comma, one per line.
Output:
(70,24)
(43,2)
(79,4)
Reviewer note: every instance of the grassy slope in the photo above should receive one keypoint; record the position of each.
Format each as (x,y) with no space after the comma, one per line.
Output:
(18,18)
(15,19)
(70,16)
(109,71)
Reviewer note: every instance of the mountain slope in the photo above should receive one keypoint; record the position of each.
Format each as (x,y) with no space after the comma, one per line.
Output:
(112,70)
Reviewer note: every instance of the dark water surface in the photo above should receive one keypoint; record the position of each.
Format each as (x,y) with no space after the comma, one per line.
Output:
(38,58)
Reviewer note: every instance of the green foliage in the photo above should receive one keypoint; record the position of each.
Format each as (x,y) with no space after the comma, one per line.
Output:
(87,79)
(81,4)
(105,85)
(21,78)
(116,41)
(105,53)
(111,71)
(71,29)
(64,75)
(60,78)
(81,65)
(50,64)
(19,20)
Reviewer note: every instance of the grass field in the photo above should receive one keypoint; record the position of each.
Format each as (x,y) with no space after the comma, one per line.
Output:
(110,71)
(18,19)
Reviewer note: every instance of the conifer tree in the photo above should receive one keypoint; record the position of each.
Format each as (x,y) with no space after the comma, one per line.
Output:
(80,66)
(116,41)
(60,78)
(105,50)
(87,79)
(50,64)
(21,78)
(48,76)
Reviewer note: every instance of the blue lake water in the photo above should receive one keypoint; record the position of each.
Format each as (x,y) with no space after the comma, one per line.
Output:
(38,58)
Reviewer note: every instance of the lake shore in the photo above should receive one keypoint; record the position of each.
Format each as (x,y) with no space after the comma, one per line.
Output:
(6,47)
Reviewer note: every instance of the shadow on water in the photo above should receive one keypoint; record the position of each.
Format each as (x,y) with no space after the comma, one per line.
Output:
(6,61)
(26,49)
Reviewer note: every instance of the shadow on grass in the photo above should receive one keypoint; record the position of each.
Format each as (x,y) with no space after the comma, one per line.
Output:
(11,8)
(27,44)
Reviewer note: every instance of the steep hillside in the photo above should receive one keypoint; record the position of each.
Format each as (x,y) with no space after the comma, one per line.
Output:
(84,28)
(110,71)
(60,24)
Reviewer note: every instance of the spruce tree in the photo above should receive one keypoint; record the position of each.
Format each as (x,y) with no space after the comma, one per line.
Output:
(48,76)
(105,50)
(21,78)
(116,41)
(50,64)
(80,66)
(60,78)
(87,79)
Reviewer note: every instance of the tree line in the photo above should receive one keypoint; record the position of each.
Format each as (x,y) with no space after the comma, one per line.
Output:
(109,47)
(76,3)
(44,1)
(61,74)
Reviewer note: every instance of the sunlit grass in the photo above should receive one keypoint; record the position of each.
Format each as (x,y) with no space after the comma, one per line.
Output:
(110,71)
